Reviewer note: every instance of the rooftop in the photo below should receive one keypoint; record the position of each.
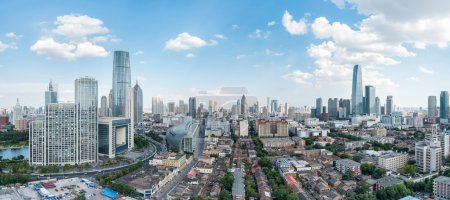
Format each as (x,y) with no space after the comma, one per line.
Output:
(442,179)
(238,184)
(389,181)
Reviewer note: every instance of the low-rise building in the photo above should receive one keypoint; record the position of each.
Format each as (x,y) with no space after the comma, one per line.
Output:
(277,142)
(238,189)
(345,165)
(387,181)
(441,188)
(393,161)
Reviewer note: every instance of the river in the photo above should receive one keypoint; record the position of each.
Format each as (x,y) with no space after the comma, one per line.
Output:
(12,152)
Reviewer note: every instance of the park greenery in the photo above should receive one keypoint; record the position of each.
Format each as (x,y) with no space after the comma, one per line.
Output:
(13,139)
(346,136)
(140,143)
(226,184)
(154,135)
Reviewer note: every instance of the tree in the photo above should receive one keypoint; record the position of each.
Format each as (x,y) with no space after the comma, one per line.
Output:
(367,168)
(378,173)
(357,158)
(362,187)
(225,195)
(409,169)
(361,197)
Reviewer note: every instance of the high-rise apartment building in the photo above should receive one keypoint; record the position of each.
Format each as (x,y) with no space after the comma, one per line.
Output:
(121,81)
(86,101)
(157,105)
(428,153)
(357,91)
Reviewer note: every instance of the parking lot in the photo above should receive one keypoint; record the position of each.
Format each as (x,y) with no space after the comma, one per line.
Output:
(65,189)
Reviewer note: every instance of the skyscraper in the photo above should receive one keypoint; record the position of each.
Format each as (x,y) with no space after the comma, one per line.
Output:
(389,105)
(51,95)
(333,105)
(121,81)
(370,100)
(377,106)
(244,106)
(17,112)
(318,107)
(357,91)
(432,109)
(104,107)
(157,105)
(138,106)
(269,109)
(444,105)
(192,107)
(86,101)
(274,105)
(171,108)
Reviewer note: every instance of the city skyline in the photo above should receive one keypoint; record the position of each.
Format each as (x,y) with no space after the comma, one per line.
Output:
(294,52)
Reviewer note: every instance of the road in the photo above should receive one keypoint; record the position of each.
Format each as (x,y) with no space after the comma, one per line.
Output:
(165,190)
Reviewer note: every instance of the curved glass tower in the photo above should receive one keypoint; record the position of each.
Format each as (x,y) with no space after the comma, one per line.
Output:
(121,81)
(357,91)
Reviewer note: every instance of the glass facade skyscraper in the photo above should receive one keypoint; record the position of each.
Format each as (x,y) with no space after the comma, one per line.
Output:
(51,95)
(389,105)
(192,107)
(444,105)
(121,81)
(357,91)
(370,100)
(138,104)
(86,100)
(432,103)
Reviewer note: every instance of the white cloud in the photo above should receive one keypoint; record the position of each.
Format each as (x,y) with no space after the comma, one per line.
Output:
(234,26)
(339,3)
(413,78)
(294,27)
(273,53)
(271,23)
(76,37)
(184,41)
(78,27)
(139,52)
(67,51)
(258,34)
(13,35)
(4,46)
(425,70)
(190,55)
(298,76)
(220,36)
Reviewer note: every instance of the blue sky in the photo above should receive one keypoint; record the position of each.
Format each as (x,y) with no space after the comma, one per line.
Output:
(293,51)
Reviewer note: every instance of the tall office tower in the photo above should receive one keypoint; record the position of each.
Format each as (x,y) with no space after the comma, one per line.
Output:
(269,109)
(244,106)
(193,107)
(444,105)
(51,95)
(428,153)
(347,105)
(286,108)
(370,100)
(37,142)
(357,91)
(383,110)
(157,105)
(333,105)
(377,106)
(318,107)
(103,107)
(17,112)
(110,102)
(181,107)
(432,106)
(138,106)
(274,106)
(86,101)
(389,105)
(62,138)
(238,104)
(171,107)
(121,81)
